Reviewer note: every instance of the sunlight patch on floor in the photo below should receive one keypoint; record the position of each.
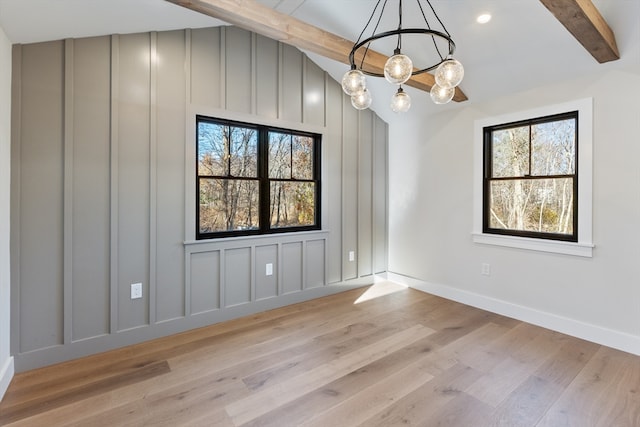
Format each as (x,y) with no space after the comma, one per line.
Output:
(380,289)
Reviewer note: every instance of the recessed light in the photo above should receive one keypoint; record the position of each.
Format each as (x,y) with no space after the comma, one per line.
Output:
(483,18)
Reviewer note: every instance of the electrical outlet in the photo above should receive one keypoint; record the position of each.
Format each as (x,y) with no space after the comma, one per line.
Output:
(136,290)
(269,269)
(352,256)
(486,269)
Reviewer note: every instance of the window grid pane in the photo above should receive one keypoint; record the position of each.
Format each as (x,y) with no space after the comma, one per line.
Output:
(302,157)
(243,152)
(554,148)
(212,151)
(292,204)
(510,152)
(228,204)
(532,205)
(279,155)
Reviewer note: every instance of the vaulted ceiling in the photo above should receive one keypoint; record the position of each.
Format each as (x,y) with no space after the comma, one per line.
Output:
(524,46)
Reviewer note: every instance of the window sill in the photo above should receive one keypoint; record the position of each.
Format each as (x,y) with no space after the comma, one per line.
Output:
(263,238)
(541,245)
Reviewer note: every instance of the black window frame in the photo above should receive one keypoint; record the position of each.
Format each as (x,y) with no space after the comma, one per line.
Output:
(264,220)
(487,177)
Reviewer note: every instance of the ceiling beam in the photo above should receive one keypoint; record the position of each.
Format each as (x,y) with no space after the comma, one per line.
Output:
(255,17)
(587,25)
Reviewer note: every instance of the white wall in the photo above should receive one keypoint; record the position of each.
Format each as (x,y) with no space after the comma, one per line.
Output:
(431,217)
(6,361)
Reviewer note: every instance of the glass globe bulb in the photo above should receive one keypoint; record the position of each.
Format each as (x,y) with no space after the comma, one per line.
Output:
(401,102)
(353,82)
(361,100)
(398,69)
(449,73)
(442,95)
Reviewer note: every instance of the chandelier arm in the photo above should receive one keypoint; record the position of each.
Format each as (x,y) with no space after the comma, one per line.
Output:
(371,18)
(399,44)
(424,16)
(432,33)
(374,29)
(437,17)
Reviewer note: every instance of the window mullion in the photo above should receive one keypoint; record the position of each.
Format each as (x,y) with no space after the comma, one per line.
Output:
(265,180)
(290,156)
(530,148)
(228,153)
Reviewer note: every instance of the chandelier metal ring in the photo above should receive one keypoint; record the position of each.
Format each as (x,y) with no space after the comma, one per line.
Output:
(432,33)
(399,68)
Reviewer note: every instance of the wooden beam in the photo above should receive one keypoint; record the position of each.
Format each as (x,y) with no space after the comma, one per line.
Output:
(587,25)
(260,19)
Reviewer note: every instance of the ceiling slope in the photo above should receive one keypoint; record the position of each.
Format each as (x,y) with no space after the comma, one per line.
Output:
(253,16)
(587,25)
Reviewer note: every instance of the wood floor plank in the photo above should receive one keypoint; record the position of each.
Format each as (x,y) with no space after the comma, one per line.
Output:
(325,397)
(192,371)
(605,393)
(376,356)
(570,358)
(305,358)
(32,407)
(49,388)
(288,333)
(457,324)
(371,400)
(265,400)
(518,340)
(526,405)
(173,406)
(420,407)
(520,363)
(471,347)
(462,410)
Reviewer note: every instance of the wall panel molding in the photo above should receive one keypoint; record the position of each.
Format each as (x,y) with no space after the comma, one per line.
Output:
(114,156)
(16,166)
(146,97)
(153,175)
(42,196)
(68,190)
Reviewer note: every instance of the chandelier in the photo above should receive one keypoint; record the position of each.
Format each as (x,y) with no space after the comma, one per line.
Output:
(399,67)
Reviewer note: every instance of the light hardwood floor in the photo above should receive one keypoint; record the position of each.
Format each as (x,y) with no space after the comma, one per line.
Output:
(401,358)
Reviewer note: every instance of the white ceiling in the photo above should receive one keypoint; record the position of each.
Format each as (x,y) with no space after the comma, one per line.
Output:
(521,48)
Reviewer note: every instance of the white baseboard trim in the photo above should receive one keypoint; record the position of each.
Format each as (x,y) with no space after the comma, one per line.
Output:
(590,332)
(6,375)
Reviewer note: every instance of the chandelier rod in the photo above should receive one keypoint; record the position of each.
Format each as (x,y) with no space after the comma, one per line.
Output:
(384,5)
(433,39)
(399,44)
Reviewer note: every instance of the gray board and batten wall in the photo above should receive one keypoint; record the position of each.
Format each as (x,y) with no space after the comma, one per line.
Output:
(103,188)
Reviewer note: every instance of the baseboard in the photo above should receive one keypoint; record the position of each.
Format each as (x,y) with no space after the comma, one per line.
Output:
(6,375)
(586,331)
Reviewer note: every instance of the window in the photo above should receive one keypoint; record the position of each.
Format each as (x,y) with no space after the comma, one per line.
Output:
(530,181)
(533,179)
(255,179)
